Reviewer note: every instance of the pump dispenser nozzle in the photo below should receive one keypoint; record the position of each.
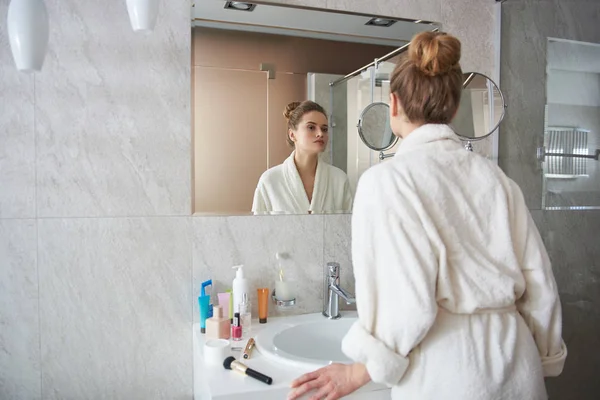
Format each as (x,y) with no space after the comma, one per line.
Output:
(239,271)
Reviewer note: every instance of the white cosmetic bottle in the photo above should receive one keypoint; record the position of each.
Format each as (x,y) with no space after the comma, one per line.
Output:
(240,286)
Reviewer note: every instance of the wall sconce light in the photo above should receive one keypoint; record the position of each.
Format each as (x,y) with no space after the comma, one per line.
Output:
(142,14)
(28,32)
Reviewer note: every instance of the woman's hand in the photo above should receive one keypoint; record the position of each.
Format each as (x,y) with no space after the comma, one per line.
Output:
(332,382)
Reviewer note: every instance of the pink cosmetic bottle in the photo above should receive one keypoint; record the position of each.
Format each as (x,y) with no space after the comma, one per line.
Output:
(218,327)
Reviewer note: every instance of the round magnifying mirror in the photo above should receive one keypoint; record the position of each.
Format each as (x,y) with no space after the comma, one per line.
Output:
(481,109)
(374,127)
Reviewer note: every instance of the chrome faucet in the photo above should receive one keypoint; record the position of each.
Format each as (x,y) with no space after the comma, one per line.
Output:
(333,291)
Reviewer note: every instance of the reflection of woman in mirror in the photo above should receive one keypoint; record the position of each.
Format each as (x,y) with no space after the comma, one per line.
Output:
(455,292)
(303,183)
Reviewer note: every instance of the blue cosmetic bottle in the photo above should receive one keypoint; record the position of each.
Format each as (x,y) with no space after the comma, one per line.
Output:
(206,308)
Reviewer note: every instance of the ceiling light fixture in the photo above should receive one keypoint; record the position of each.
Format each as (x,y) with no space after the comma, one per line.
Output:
(142,14)
(381,22)
(28,32)
(240,6)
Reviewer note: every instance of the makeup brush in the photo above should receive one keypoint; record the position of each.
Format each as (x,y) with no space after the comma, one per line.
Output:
(231,363)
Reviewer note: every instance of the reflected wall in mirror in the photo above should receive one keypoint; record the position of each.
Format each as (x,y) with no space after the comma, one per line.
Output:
(248,66)
(481,109)
(570,152)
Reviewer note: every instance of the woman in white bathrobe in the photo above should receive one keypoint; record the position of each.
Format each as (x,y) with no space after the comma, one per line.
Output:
(455,292)
(303,184)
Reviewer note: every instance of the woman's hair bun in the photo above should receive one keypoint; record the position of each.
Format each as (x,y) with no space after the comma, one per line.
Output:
(289,109)
(434,53)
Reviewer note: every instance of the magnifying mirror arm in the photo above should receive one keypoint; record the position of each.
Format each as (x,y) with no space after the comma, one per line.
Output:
(383,156)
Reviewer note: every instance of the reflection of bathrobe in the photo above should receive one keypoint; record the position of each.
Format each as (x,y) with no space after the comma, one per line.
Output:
(280,191)
(455,292)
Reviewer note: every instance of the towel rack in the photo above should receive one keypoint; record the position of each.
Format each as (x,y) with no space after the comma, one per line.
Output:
(564,152)
(542,154)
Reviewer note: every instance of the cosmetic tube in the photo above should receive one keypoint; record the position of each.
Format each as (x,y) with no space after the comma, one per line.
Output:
(230,291)
(204,305)
(263,305)
(203,302)
(224,300)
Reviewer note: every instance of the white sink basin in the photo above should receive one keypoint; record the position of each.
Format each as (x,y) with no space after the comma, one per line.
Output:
(307,341)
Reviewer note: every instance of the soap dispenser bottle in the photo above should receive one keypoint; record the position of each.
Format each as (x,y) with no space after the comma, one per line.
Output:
(240,286)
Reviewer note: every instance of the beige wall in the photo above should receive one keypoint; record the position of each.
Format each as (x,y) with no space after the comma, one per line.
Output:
(247,50)
(239,130)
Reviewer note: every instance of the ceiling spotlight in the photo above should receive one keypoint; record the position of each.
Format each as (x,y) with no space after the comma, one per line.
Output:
(382,22)
(240,6)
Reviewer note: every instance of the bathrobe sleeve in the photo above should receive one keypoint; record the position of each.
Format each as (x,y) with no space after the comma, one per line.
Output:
(395,268)
(348,198)
(259,204)
(540,304)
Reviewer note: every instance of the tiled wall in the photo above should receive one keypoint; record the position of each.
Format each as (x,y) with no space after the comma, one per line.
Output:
(99,259)
(571,237)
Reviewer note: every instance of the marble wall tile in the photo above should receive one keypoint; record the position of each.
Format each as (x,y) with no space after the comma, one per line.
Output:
(571,239)
(115,308)
(17,150)
(113,114)
(411,9)
(19,317)
(222,242)
(524,85)
(472,21)
(525,29)
(337,241)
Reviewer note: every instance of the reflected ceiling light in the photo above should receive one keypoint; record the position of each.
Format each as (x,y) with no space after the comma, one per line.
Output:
(382,22)
(142,14)
(240,6)
(28,31)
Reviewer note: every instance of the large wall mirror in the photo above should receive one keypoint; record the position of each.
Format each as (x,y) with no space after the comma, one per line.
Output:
(250,61)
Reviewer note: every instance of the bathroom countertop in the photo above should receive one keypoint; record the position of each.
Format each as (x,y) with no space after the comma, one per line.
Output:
(217,383)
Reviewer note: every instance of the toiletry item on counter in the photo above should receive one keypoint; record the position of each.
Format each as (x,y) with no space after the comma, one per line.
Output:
(248,350)
(224,300)
(263,305)
(230,291)
(215,351)
(284,290)
(245,316)
(236,329)
(205,306)
(218,327)
(231,363)
(240,286)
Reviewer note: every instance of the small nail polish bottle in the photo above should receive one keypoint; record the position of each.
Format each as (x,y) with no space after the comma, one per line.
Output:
(236,329)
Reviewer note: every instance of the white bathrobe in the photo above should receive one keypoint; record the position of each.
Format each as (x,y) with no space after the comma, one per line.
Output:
(455,292)
(280,191)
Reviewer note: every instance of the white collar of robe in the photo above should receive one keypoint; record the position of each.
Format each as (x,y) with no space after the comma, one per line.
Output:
(426,134)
